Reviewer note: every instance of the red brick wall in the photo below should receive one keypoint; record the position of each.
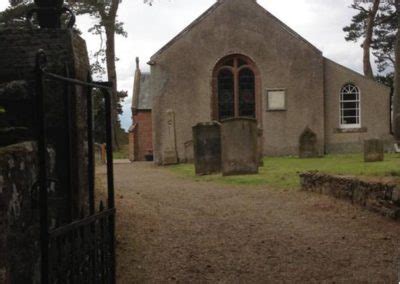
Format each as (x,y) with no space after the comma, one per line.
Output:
(143,135)
(132,135)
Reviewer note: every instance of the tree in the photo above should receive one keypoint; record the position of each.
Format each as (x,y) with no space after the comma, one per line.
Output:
(396,102)
(383,45)
(16,13)
(106,13)
(362,26)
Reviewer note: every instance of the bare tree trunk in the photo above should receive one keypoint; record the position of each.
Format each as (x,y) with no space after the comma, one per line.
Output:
(109,25)
(368,40)
(112,77)
(396,98)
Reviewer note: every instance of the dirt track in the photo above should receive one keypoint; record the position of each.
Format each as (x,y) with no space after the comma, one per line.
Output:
(174,230)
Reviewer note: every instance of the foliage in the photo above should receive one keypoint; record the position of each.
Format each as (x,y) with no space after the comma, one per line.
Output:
(283,172)
(384,30)
(122,153)
(100,117)
(15,14)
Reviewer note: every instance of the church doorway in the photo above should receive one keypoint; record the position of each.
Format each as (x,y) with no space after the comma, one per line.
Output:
(236,89)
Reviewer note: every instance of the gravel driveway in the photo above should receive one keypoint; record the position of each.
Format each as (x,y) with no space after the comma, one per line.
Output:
(175,230)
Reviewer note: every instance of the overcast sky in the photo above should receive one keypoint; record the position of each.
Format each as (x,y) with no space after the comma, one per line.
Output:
(150,27)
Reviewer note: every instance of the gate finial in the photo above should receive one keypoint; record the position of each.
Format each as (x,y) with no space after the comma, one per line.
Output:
(49,13)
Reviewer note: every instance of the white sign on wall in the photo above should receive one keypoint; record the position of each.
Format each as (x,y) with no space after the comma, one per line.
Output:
(276,100)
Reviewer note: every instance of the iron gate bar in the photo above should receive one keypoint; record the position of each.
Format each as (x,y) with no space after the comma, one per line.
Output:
(41,132)
(110,177)
(46,234)
(68,125)
(76,224)
(91,169)
(98,85)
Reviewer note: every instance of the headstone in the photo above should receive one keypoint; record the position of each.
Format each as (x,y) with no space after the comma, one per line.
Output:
(207,148)
(240,152)
(189,152)
(373,150)
(260,145)
(308,144)
(170,155)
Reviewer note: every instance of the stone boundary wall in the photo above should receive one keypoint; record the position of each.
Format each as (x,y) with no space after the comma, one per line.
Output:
(383,198)
(19,215)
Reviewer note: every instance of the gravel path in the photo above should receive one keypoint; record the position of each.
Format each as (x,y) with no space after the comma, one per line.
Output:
(174,230)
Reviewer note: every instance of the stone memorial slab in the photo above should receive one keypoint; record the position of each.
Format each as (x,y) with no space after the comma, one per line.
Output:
(189,152)
(373,150)
(207,148)
(260,145)
(170,153)
(239,142)
(308,144)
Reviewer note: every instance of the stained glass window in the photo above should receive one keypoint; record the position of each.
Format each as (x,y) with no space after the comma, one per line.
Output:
(226,101)
(247,102)
(236,87)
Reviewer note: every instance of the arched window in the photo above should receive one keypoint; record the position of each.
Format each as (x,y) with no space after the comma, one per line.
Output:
(235,81)
(350,116)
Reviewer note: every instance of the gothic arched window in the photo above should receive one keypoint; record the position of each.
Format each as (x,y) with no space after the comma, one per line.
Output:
(235,88)
(350,114)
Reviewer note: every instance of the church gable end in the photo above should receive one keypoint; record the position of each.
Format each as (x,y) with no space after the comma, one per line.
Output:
(185,81)
(242,11)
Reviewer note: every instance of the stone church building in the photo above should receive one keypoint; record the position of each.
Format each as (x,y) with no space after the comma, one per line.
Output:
(238,60)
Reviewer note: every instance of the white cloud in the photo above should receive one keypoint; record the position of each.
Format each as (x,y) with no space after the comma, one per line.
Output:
(150,27)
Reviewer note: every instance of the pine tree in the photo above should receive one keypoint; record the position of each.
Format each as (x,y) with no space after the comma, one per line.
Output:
(396,102)
(362,26)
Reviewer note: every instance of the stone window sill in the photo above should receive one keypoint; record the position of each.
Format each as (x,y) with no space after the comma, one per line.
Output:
(351,130)
(276,110)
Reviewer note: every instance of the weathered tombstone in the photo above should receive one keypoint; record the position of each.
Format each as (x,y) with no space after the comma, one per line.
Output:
(240,152)
(207,148)
(260,145)
(189,152)
(308,144)
(170,155)
(373,150)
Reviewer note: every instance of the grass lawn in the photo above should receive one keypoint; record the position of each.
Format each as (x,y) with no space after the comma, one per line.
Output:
(122,153)
(283,172)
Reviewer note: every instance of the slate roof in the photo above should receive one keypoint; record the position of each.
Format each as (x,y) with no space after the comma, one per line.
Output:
(145,100)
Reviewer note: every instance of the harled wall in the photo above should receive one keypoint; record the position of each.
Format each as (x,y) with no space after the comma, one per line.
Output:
(375,110)
(182,76)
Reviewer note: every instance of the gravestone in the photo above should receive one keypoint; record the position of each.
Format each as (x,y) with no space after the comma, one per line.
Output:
(207,148)
(239,144)
(260,145)
(308,144)
(170,153)
(189,152)
(373,150)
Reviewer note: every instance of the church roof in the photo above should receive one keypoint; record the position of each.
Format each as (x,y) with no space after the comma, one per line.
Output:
(210,10)
(145,101)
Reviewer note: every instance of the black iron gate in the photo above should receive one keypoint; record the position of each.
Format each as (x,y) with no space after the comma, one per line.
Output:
(82,251)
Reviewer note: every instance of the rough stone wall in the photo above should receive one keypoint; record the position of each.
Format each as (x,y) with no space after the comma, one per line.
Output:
(16,113)
(181,77)
(142,142)
(383,198)
(375,110)
(19,215)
